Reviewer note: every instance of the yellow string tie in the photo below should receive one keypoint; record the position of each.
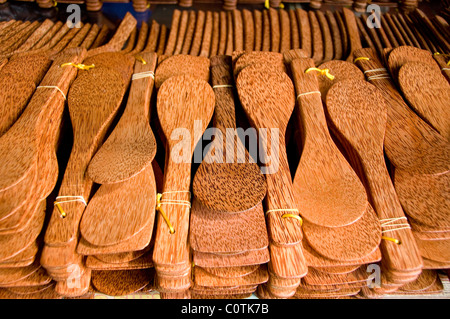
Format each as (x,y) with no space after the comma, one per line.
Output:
(267,5)
(325,72)
(55,3)
(140,59)
(287,215)
(361,58)
(68,199)
(78,65)
(159,202)
(391,239)
(393,222)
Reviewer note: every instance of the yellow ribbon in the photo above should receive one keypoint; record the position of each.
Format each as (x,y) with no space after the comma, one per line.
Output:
(325,72)
(391,239)
(267,4)
(140,59)
(160,210)
(361,58)
(78,65)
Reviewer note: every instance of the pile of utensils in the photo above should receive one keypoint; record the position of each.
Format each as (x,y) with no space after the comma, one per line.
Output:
(152,181)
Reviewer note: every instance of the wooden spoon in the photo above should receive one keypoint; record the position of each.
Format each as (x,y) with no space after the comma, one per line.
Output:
(353,32)
(328,193)
(20,142)
(227,186)
(131,146)
(104,86)
(428,93)
(360,121)
(409,143)
(184,103)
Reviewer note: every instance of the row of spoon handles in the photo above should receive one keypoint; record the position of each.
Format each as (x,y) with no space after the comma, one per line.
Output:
(144,5)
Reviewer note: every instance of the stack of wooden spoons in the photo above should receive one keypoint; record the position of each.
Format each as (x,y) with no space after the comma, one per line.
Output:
(185,105)
(267,96)
(103,80)
(425,197)
(31,173)
(228,234)
(341,229)
(116,236)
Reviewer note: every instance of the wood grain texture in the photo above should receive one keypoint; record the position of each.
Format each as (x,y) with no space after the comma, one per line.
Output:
(361,126)
(255,257)
(106,86)
(328,51)
(409,142)
(285,31)
(353,33)
(328,193)
(258,29)
(179,105)
(197,38)
(223,33)
(131,146)
(428,93)
(173,34)
(207,35)
(214,232)
(120,282)
(153,35)
(339,243)
(234,183)
(115,44)
(202,278)
(275,32)
(182,64)
(266,36)
(215,34)
(238,30)
(249,30)
(16,165)
(119,220)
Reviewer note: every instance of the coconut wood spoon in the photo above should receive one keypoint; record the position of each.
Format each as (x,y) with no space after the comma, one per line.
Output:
(20,141)
(359,114)
(259,88)
(100,89)
(227,186)
(131,146)
(410,143)
(328,193)
(184,104)
(428,93)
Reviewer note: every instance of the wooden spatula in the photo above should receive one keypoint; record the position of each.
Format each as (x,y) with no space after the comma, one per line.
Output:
(329,192)
(236,184)
(106,87)
(131,147)
(428,93)
(409,143)
(359,115)
(352,31)
(21,157)
(183,103)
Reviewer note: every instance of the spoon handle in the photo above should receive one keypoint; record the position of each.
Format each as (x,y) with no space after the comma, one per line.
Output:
(171,240)
(409,143)
(404,255)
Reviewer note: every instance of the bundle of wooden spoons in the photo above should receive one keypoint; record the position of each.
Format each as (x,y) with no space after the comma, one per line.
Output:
(22,219)
(228,198)
(422,186)
(185,105)
(268,99)
(117,236)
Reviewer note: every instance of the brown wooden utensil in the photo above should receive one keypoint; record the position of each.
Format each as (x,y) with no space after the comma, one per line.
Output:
(360,121)
(20,160)
(428,93)
(131,146)
(227,186)
(63,227)
(353,32)
(409,143)
(183,102)
(328,193)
